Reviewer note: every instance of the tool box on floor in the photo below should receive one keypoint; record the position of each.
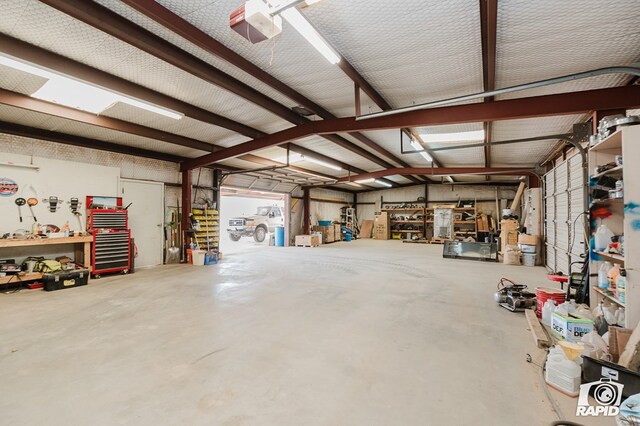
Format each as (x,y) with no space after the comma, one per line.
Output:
(65,279)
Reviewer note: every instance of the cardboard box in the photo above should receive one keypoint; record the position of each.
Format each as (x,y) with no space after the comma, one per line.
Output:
(381,226)
(530,240)
(328,233)
(509,225)
(571,328)
(508,238)
(307,241)
(337,232)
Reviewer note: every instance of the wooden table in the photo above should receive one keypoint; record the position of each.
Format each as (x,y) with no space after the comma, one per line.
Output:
(81,252)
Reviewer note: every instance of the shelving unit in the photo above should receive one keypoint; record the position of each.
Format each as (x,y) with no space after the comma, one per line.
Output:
(410,211)
(208,237)
(462,228)
(608,295)
(625,215)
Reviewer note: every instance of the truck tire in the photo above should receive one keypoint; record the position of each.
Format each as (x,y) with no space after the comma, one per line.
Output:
(235,237)
(260,234)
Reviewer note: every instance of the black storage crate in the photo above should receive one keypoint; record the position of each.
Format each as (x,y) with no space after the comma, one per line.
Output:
(65,279)
(595,369)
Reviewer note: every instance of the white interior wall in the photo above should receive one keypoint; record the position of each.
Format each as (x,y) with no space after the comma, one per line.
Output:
(324,210)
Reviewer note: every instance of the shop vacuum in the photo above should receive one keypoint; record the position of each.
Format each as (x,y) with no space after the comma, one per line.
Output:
(514,297)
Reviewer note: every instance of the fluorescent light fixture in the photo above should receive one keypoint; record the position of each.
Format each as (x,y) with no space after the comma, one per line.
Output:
(365,180)
(310,2)
(450,179)
(418,147)
(357,185)
(73,93)
(21,66)
(311,174)
(475,135)
(379,182)
(321,163)
(297,21)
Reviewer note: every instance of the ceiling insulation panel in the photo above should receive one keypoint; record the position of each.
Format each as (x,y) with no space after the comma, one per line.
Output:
(544,39)
(288,56)
(410,51)
(61,125)
(528,153)
(46,27)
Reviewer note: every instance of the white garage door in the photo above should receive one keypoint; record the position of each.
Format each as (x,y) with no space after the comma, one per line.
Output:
(564,218)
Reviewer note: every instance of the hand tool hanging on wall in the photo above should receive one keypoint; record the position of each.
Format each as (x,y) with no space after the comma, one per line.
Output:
(32,202)
(74,204)
(53,202)
(20,202)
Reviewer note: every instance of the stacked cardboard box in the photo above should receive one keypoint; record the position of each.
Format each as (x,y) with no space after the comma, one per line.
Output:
(337,233)
(328,233)
(381,226)
(307,241)
(508,234)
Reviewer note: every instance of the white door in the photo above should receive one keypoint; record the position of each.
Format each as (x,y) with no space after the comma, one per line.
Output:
(146,219)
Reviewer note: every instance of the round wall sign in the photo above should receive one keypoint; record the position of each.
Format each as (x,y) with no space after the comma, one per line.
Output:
(7,187)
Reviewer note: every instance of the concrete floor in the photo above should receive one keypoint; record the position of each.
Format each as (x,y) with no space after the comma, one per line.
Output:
(361,333)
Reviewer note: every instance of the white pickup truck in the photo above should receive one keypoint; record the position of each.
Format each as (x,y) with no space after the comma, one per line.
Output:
(258,225)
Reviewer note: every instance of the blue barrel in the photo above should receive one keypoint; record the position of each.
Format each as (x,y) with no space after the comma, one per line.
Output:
(279,236)
(347,236)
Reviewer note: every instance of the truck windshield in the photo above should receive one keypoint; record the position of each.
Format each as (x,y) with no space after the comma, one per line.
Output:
(263,211)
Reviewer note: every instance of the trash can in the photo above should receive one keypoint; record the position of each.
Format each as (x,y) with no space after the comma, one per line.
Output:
(279,236)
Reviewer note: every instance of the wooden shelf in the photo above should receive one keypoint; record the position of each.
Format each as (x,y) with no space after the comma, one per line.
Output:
(21,277)
(616,258)
(44,241)
(613,141)
(615,171)
(608,296)
(406,221)
(464,208)
(403,210)
(464,222)
(607,200)
(405,231)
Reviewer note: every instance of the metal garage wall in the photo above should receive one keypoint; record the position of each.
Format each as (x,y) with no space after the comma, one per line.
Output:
(564,218)
(327,210)
(436,193)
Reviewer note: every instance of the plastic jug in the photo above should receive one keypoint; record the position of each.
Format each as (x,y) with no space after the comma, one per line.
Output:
(603,237)
(562,374)
(565,308)
(547,309)
(603,274)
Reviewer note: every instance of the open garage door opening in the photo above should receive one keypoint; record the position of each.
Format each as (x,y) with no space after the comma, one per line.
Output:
(250,219)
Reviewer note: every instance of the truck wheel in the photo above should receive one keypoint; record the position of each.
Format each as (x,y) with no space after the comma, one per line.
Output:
(234,237)
(260,234)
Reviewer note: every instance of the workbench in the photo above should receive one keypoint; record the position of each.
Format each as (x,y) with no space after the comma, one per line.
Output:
(82,249)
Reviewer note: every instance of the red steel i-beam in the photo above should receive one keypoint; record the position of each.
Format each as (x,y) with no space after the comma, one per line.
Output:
(535,106)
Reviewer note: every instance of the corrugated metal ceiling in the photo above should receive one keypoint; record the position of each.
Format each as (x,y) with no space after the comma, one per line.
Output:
(410,51)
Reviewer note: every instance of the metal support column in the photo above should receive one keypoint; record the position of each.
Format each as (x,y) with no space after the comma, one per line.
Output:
(306,209)
(186,206)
